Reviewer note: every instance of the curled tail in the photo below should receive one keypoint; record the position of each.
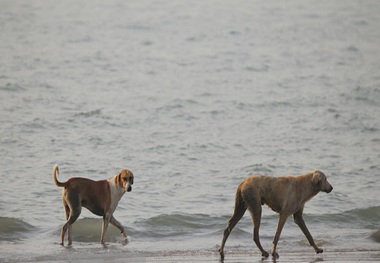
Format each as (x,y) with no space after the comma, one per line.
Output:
(54,175)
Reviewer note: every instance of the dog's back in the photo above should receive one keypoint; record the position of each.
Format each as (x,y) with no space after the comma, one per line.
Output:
(269,190)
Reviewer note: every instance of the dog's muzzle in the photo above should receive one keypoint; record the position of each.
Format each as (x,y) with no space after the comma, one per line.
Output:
(329,189)
(129,188)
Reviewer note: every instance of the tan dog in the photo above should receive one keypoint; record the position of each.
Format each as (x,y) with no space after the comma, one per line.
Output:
(284,195)
(100,197)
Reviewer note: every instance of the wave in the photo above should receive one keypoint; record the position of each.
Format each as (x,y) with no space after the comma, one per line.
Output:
(12,87)
(174,225)
(161,226)
(12,229)
(178,226)
(180,220)
(89,230)
(89,114)
(365,217)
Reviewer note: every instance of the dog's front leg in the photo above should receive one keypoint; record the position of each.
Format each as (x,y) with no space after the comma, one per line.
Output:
(298,219)
(116,223)
(104,228)
(280,226)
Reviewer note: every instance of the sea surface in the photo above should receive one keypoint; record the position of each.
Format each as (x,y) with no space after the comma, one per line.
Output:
(192,97)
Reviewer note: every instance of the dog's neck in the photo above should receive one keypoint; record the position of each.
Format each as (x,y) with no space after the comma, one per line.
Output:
(307,195)
(117,193)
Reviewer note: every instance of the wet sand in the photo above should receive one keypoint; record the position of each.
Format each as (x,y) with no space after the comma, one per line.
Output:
(232,257)
(352,256)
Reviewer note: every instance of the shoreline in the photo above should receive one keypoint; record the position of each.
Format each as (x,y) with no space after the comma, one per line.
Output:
(242,257)
(231,257)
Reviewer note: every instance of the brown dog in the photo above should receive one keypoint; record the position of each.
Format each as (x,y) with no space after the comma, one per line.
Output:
(100,197)
(284,195)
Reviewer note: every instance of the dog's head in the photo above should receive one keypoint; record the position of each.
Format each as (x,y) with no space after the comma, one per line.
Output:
(125,180)
(320,181)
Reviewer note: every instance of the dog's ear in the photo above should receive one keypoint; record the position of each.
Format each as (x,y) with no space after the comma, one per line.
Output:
(317,177)
(118,180)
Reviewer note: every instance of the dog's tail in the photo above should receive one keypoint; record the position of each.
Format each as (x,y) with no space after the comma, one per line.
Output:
(239,201)
(54,174)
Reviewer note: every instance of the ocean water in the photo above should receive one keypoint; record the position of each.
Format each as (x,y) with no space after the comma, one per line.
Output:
(192,97)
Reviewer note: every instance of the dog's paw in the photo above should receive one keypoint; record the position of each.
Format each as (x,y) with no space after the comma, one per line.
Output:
(275,255)
(125,240)
(221,252)
(265,254)
(319,250)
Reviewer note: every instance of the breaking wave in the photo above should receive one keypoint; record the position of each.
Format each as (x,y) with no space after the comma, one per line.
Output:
(182,225)
(12,229)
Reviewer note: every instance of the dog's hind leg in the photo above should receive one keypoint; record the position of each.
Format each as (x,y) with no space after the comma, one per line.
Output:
(69,230)
(73,208)
(63,230)
(235,218)
(74,214)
